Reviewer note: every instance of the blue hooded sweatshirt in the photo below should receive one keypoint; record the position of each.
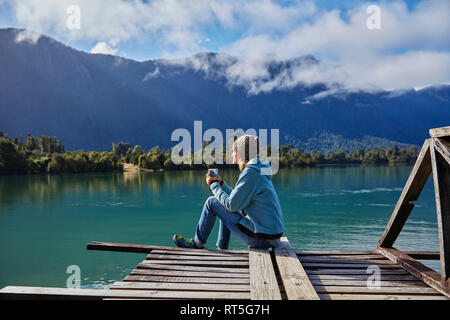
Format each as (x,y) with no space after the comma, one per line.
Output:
(255,194)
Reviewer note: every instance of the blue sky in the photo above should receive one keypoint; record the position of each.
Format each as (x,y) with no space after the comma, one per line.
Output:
(412,32)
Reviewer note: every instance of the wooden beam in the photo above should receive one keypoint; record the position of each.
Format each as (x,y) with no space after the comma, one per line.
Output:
(442,149)
(441,180)
(263,281)
(423,255)
(414,185)
(297,285)
(440,132)
(417,269)
(140,248)
(14,292)
(120,247)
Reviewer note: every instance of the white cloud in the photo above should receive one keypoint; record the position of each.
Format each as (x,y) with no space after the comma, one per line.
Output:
(103,48)
(27,36)
(410,50)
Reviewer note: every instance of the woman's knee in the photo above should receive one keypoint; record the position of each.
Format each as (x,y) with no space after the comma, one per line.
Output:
(212,200)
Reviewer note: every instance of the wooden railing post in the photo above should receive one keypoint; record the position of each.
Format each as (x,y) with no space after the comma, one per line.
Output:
(441,178)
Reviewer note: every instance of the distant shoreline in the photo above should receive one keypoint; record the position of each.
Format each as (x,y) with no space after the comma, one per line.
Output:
(48,155)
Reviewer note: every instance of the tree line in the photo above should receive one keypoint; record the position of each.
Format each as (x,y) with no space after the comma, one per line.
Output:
(46,154)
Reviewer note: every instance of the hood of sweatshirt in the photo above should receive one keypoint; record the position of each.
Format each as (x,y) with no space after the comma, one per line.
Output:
(261,165)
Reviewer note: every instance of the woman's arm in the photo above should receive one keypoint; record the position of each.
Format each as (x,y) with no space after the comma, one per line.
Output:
(242,193)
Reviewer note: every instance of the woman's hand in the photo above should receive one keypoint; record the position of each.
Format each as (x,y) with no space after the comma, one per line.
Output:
(210,179)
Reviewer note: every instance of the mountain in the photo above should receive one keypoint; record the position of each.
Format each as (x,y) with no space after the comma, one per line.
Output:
(91,100)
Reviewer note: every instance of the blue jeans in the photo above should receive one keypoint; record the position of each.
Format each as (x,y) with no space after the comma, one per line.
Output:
(228,220)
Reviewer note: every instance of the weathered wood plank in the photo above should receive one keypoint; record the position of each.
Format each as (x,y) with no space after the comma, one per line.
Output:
(337,296)
(380,290)
(16,292)
(355,283)
(122,285)
(140,248)
(146,265)
(411,191)
(120,247)
(154,256)
(348,265)
(440,132)
(384,272)
(417,269)
(295,280)
(263,282)
(211,263)
(147,278)
(335,252)
(342,257)
(190,274)
(345,261)
(362,277)
(441,181)
(214,253)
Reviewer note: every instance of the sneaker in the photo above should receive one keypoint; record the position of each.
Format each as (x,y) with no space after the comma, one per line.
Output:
(182,242)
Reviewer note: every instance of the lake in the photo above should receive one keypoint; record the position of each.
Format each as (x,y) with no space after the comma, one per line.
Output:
(47,220)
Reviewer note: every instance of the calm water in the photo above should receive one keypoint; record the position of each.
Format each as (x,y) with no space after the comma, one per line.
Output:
(47,220)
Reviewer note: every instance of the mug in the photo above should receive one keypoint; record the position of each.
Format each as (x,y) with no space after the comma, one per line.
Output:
(213,172)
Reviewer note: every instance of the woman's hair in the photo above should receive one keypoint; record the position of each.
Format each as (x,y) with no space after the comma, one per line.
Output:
(247,147)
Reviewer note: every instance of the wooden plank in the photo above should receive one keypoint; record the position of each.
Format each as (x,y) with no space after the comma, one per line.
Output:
(354,271)
(214,253)
(297,285)
(440,132)
(417,269)
(263,282)
(342,257)
(355,283)
(153,256)
(345,261)
(348,265)
(217,263)
(441,181)
(411,191)
(335,252)
(146,278)
(423,255)
(379,290)
(145,265)
(190,274)
(139,248)
(122,285)
(362,277)
(337,296)
(16,292)
(121,247)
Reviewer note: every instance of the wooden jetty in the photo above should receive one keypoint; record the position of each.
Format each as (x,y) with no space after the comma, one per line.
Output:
(286,274)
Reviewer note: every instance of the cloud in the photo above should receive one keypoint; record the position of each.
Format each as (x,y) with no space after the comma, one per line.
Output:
(411,49)
(27,36)
(103,48)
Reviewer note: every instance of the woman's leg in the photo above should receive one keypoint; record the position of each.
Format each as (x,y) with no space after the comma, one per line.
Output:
(212,209)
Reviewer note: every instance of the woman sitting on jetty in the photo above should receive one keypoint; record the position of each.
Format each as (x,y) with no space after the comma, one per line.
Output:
(251,211)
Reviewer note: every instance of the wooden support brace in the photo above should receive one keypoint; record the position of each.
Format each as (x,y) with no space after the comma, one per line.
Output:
(417,269)
(441,179)
(414,185)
